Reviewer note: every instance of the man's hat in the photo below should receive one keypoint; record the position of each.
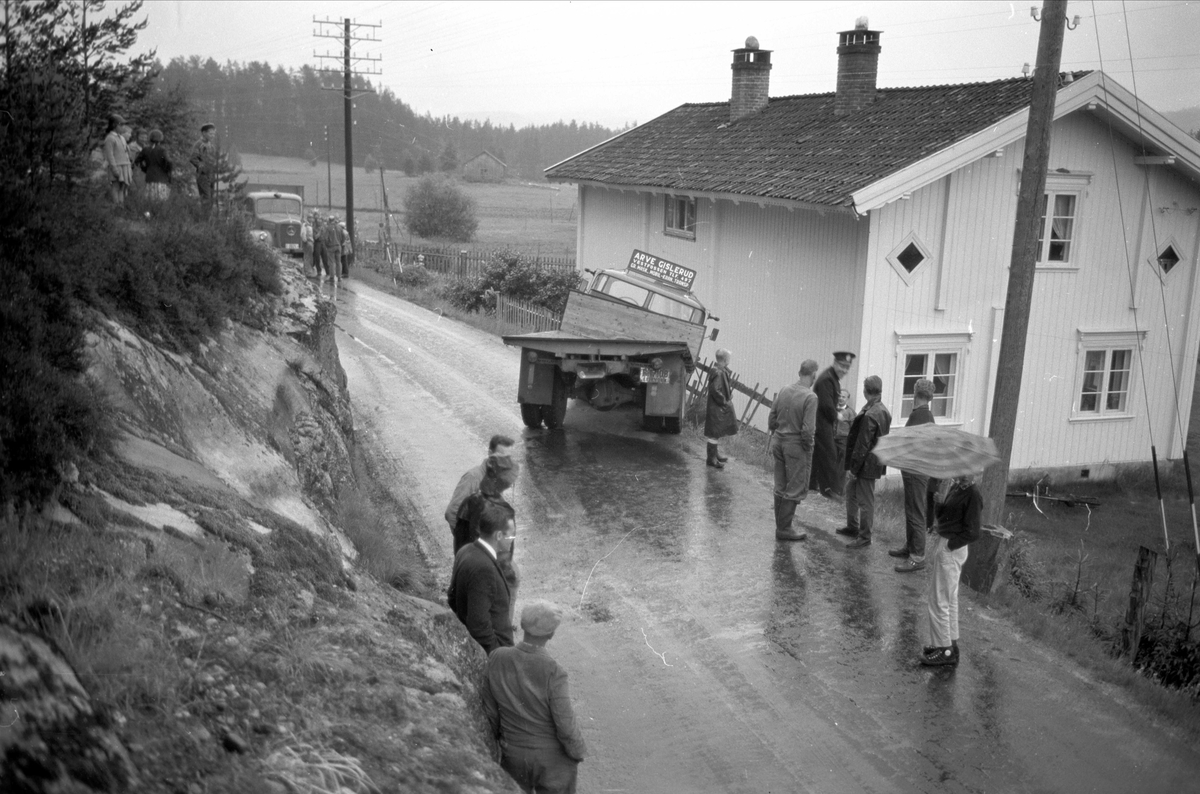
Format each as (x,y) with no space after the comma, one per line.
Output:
(844,357)
(208,126)
(503,468)
(540,618)
(923,388)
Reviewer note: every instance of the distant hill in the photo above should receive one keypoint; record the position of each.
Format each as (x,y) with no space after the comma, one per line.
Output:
(1187,119)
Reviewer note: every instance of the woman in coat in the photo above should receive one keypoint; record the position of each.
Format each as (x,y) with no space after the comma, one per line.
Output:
(116,159)
(719,419)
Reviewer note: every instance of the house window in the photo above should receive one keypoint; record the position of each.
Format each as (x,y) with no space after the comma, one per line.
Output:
(1105,376)
(1168,258)
(1058,232)
(680,217)
(938,357)
(909,258)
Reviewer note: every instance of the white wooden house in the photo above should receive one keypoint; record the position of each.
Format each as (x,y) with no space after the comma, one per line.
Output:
(881,221)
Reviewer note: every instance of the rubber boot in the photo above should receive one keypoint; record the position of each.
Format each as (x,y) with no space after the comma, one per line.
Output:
(713,460)
(721,457)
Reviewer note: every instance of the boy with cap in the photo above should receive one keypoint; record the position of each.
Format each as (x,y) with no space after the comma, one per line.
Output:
(918,488)
(872,422)
(204,160)
(528,707)
(828,476)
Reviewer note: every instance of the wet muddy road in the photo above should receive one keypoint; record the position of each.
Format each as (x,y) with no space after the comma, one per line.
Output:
(703,655)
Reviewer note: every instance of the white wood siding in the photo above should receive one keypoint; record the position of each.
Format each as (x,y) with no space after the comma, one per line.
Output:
(967,220)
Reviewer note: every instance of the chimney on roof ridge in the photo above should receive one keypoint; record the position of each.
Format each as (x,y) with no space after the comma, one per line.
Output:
(858,66)
(751,79)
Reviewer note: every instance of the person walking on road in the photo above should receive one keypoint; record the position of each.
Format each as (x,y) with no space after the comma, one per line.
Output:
(792,423)
(958,523)
(528,707)
(872,423)
(918,490)
(719,418)
(331,247)
(478,592)
(204,160)
(828,477)
(306,243)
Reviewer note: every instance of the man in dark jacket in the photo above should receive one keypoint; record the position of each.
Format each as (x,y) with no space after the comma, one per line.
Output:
(918,490)
(478,591)
(828,476)
(792,422)
(528,706)
(155,164)
(873,422)
(959,522)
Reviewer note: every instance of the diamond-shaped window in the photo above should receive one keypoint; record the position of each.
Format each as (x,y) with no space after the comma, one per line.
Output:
(1168,259)
(911,257)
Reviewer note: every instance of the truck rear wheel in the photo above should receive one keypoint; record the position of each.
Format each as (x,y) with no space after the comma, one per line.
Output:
(531,415)
(672,425)
(554,414)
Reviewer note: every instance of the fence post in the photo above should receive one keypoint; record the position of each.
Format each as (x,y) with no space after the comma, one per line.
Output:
(1139,596)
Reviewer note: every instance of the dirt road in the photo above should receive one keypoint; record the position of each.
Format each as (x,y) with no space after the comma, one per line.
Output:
(703,655)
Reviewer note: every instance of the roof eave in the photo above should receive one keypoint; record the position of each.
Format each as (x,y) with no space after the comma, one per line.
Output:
(736,198)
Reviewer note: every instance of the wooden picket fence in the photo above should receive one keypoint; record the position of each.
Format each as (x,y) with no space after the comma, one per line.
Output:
(697,394)
(467,263)
(526,314)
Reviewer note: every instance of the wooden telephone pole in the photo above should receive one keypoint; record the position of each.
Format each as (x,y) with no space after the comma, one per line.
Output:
(349,34)
(1006,400)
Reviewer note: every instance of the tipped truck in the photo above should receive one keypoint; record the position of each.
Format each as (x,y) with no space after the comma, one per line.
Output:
(633,336)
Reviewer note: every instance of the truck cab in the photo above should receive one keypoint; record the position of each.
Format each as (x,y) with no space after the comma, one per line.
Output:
(275,219)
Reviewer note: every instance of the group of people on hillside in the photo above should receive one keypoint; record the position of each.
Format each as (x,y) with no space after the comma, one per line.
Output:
(327,247)
(525,694)
(819,443)
(124,150)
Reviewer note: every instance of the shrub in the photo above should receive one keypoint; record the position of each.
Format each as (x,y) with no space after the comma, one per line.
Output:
(517,277)
(437,208)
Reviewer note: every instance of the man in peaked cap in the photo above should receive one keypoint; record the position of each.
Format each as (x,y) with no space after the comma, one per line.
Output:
(872,423)
(828,473)
(528,707)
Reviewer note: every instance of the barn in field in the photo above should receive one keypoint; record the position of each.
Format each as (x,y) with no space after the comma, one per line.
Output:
(484,167)
(881,221)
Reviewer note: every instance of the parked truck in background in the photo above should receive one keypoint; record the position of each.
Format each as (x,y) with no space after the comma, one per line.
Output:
(632,336)
(275,219)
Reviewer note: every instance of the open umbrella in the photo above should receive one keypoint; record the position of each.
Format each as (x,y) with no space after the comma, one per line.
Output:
(936,451)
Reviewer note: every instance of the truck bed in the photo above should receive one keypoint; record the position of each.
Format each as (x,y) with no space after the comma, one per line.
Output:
(599,325)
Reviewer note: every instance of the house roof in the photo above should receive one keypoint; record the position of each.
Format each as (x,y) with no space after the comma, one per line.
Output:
(486,153)
(796,149)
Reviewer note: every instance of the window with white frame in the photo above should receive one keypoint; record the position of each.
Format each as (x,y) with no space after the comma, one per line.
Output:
(1058,234)
(909,258)
(1105,377)
(680,217)
(940,359)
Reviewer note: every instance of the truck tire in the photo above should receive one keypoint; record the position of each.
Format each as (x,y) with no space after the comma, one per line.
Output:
(531,415)
(554,413)
(672,425)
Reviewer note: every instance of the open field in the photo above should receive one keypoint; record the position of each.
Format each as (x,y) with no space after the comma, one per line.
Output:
(532,218)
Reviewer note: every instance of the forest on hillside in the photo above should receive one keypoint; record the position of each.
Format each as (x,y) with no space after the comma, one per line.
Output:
(274,111)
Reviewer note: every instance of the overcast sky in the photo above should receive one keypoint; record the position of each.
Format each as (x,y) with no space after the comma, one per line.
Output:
(618,62)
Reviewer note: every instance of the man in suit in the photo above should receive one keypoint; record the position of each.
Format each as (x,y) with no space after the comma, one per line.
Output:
(872,423)
(828,471)
(528,707)
(918,490)
(478,592)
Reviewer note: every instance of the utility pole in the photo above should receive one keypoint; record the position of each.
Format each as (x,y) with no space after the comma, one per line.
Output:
(1030,199)
(349,33)
(328,173)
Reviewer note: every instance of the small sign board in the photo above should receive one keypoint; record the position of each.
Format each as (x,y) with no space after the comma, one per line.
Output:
(661,270)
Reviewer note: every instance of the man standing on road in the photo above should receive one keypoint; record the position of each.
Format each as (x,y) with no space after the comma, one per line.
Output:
(918,497)
(873,422)
(827,470)
(528,706)
(204,160)
(478,592)
(469,482)
(792,422)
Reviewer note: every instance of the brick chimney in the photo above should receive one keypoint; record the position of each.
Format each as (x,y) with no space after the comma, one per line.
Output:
(858,65)
(751,78)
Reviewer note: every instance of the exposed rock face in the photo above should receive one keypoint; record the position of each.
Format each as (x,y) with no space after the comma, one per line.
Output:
(51,740)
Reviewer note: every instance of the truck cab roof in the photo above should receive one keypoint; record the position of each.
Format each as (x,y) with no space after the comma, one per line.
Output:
(649,293)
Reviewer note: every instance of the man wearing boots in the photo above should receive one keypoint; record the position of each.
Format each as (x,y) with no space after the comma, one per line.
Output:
(792,422)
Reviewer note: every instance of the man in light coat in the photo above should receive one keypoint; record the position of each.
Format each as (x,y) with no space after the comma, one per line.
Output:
(792,422)
(528,706)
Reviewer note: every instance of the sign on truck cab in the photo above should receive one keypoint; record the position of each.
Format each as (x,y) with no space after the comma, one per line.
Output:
(632,336)
(275,219)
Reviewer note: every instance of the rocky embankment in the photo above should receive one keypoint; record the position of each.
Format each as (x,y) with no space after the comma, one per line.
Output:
(192,616)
